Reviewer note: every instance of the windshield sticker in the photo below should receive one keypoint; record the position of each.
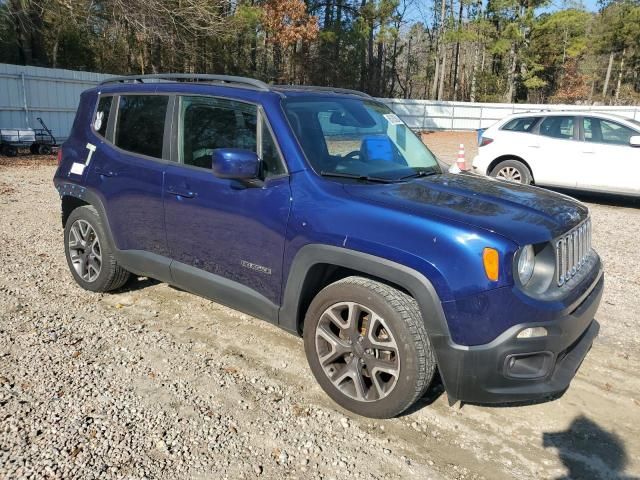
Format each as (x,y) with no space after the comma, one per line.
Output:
(393,119)
(98,122)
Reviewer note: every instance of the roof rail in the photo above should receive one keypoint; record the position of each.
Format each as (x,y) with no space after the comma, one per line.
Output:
(229,80)
(323,89)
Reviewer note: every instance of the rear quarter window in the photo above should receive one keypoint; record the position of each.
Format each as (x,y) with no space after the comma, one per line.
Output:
(140,125)
(101,117)
(522,124)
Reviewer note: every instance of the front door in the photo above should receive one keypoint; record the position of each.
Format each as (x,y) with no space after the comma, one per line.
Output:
(556,157)
(222,227)
(609,163)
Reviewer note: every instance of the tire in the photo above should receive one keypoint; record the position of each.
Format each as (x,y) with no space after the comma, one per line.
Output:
(388,320)
(10,150)
(44,149)
(512,171)
(83,260)
(33,148)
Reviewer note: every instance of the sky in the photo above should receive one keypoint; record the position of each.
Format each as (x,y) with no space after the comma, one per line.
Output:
(420,10)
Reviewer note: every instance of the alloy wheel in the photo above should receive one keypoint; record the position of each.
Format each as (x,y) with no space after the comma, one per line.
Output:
(510,174)
(84,250)
(357,351)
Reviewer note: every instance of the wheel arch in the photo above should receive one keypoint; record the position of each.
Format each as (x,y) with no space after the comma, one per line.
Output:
(316,266)
(502,158)
(73,196)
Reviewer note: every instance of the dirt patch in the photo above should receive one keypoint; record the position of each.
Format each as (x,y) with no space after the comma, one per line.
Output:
(28,161)
(446,145)
(153,382)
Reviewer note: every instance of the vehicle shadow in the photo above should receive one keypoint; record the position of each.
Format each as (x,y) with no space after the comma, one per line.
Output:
(138,283)
(601,198)
(588,451)
(435,390)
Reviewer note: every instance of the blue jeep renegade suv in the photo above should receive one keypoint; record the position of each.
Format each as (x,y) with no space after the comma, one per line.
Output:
(319,210)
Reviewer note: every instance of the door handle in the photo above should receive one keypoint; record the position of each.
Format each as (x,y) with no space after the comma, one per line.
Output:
(181,193)
(105,173)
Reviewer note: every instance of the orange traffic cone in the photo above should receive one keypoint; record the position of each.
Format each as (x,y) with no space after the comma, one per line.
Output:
(461,163)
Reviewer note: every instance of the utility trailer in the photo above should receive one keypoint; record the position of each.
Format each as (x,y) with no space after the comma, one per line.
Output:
(39,141)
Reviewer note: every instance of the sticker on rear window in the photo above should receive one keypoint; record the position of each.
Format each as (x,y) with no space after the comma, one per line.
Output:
(97,124)
(393,119)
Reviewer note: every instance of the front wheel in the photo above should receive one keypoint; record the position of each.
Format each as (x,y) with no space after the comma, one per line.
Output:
(367,347)
(512,171)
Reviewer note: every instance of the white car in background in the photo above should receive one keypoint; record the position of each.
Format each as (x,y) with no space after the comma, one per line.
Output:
(576,150)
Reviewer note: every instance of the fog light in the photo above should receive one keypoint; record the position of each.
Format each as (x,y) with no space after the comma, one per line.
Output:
(533,332)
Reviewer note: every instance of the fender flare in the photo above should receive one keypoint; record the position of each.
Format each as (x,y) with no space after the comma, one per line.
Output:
(67,189)
(413,281)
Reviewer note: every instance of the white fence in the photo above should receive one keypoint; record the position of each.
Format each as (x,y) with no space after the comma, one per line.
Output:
(434,115)
(52,94)
(27,93)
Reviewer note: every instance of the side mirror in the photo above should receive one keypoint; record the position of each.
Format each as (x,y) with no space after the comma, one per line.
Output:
(235,163)
(635,141)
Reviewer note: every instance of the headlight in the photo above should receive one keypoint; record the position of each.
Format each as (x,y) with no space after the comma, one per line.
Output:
(526,264)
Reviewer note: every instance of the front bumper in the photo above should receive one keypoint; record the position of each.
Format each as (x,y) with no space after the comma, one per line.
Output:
(511,369)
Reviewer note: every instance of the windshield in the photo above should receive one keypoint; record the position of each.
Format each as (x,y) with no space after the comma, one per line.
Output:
(360,138)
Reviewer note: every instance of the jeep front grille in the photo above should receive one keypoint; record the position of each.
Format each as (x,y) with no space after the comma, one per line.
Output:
(572,250)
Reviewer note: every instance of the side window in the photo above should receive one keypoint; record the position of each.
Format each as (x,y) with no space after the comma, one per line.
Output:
(558,127)
(102,115)
(597,130)
(208,123)
(140,125)
(524,124)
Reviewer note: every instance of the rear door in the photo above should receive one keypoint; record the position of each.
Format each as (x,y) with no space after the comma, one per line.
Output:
(556,157)
(127,168)
(221,227)
(609,162)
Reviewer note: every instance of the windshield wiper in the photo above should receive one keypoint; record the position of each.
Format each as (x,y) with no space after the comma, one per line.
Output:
(355,176)
(419,174)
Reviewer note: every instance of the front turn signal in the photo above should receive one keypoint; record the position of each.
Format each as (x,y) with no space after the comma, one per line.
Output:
(491,261)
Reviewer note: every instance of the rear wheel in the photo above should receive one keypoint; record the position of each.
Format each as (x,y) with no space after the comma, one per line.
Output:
(10,150)
(89,255)
(367,347)
(44,149)
(512,171)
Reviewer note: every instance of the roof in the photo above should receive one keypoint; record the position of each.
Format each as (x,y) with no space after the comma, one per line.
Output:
(564,113)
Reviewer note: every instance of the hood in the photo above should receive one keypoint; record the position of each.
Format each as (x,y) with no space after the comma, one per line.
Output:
(520,213)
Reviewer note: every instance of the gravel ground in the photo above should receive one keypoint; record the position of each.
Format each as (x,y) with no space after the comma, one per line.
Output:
(153,382)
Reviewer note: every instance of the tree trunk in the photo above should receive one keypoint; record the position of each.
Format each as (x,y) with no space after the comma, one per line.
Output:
(336,48)
(476,57)
(370,60)
(456,83)
(436,90)
(434,85)
(607,77)
(512,75)
(408,70)
(620,75)
(393,64)
(442,73)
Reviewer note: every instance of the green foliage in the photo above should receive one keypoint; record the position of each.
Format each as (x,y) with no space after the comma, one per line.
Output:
(496,50)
